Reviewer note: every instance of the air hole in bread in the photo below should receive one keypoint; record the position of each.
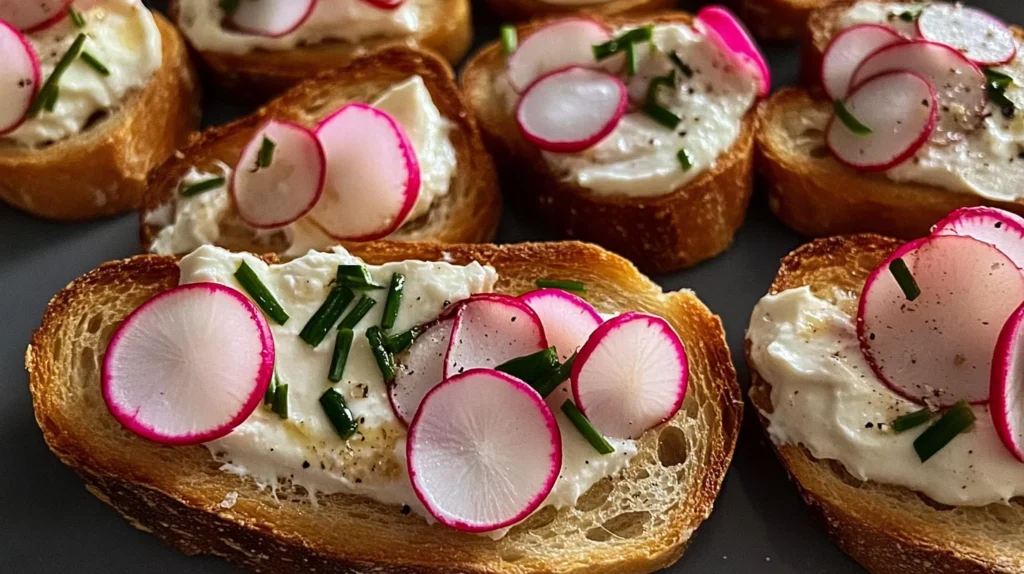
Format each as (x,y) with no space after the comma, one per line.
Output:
(511,554)
(628,524)
(598,534)
(596,496)
(316,107)
(537,521)
(94,119)
(87,360)
(672,447)
(692,408)
(840,471)
(819,152)
(95,324)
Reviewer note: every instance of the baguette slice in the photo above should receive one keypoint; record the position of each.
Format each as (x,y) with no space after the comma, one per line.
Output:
(778,20)
(887,529)
(469,213)
(659,234)
(102,170)
(445,27)
(640,521)
(516,10)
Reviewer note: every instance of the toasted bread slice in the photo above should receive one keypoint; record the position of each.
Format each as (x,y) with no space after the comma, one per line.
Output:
(515,10)
(468,213)
(639,521)
(659,234)
(888,529)
(445,27)
(102,170)
(782,20)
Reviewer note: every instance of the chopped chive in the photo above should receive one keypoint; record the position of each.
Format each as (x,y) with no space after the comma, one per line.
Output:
(668,80)
(47,96)
(851,123)
(95,63)
(956,420)
(205,185)
(385,360)
(564,285)
(268,396)
(996,83)
(394,301)
(338,412)
(904,278)
(326,316)
(76,18)
(632,62)
(265,155)
(547,385)
(509,38)
(402,341)
(357,277)
(586,429)
(342,346)
(909,15)
(280,404)
(614,46)
(252,285)
(531,368)
(660,114)
(911,420)
(357,313)
(51,99)
(686,70)
(229,6)
(684,159)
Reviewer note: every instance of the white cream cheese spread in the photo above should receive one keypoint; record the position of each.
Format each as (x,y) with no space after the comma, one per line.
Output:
(639,157)
(123,36)
(190,222)
(304,450)
(204,24)
(826,398)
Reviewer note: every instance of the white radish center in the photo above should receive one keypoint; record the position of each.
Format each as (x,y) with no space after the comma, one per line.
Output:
(568,320)
(574,107)
(271,17)
(1001,228)
(28,14)
(847,51)
(554,47)
(490,331)
(420,369)
(18,77)
(979,36)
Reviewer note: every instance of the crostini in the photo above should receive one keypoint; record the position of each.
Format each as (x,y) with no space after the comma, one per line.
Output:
(307,415)
(916,110)
(887,375)
(632,132)
(318,166)
(95,95)
(516,10)
(257,49)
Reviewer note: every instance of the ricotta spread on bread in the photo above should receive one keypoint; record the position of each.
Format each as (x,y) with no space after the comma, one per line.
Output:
(123,36)
(304,450)
(204,24)
(826,398)
(189,222)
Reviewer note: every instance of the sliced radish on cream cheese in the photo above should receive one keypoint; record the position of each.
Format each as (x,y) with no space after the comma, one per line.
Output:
(484,451)
(725,29)
(20,78)
(1007,390)
(979,36)
(930,314)
(189,365)
(279,176)
(420,368)
(33,15)
(272,18)
(631,375)
(847,50)
(556,46)
(1001,228)
(385,4)
(568,320)
(491,329)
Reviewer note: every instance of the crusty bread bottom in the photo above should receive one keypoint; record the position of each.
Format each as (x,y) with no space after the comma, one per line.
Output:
(777,19)
(516,10)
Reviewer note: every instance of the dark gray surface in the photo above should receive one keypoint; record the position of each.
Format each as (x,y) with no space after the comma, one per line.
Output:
(49,523)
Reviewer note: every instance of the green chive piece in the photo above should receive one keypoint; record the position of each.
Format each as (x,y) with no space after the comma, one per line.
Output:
(530,368)
(266,154)
(356,277)
(394,301)
(956,420)
(280,404)
(229,6)
(632,61)
(252,285)
(849,121)
(660,114)
(357,313)
(48,92)
(76,18)
(586,429)
(326,316)
(51,99)
(668,80)
(385,360)
(95,63)
(566,285)
(684,159)
(911,420)
(904,278)
(205,185)
(402,341)
(509,38)
(342,346)
(338,412)
(547,385)
(996,83)
(909,15)
(612,47)
(686,70)
(268,396)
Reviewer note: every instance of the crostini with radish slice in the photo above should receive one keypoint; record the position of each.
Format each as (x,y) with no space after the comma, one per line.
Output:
(33,15)
(19,78)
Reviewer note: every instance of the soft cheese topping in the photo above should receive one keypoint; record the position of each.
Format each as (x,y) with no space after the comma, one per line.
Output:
(122,34)
(304,450)
(203,23)
(201,219)
(826,398)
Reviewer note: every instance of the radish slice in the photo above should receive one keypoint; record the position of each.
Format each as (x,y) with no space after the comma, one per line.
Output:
(290,186)
(958,83)
(556,46)
(420,369)
(572,109)
(373,176)
(979,36)
(1007,394)
(33,15)
(568,320)
(631,375)
(937,349)
(1001,228)
(188,365)
(847,50)
(272,18)
(484,451)
(20,78)
(490,329)
(899,107)
(725,29)
(385,4)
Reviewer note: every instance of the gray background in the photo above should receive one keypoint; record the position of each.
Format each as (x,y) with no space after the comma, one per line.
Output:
(49,523)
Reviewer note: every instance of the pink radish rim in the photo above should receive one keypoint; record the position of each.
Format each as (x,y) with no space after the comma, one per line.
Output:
(597,64)
(499,297)
(756,60)
(575,300)
(576,146)
(549,422)
(1001,360)
(299,22)
(917,27)
(320,185)
(37,75)
(600,333)
(961,57)
(263,376)
(385,4)
(911,149)
(831,46)
(57,17)
(391,388)
(1007,218)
